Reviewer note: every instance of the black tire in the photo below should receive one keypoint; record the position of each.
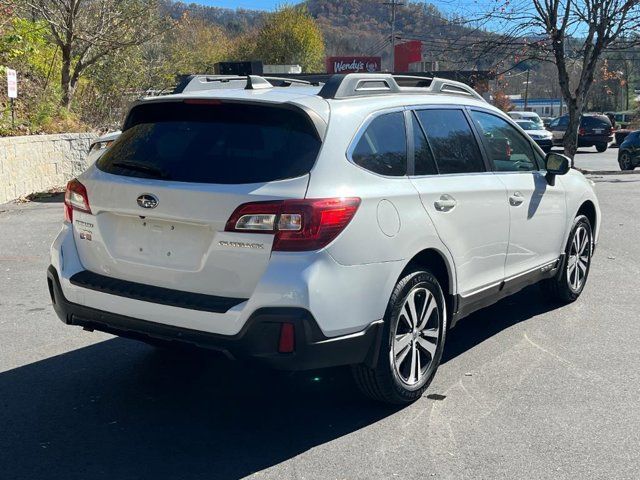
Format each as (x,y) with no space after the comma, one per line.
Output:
(386,382)
(602,147)
(625,161)
(562,287)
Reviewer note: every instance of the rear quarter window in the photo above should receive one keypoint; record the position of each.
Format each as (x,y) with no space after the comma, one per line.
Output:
(382,148)
(222,143)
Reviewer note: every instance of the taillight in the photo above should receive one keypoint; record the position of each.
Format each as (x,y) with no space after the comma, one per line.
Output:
(298,225)
(75,198)
(581,131)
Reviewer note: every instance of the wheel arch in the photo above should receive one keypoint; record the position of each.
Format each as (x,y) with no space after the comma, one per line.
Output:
(588,209)
(441,267)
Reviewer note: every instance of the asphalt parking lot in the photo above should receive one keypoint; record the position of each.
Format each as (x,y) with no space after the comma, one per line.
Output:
(526,390)
(592,160)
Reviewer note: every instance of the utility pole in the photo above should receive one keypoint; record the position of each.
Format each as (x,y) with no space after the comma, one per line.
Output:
(393,4)
(526,91)
(626,83)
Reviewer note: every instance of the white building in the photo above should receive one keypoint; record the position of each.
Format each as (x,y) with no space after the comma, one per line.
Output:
(545,107)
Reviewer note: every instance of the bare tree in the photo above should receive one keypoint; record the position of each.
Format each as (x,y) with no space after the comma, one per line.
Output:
(573,34)
(86,31)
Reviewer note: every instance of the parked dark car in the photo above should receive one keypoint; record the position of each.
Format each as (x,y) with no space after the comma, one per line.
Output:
(629,152)
(546,121)
(594,130)
(621,134)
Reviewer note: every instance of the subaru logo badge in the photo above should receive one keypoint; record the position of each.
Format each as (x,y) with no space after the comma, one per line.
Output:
(147,200)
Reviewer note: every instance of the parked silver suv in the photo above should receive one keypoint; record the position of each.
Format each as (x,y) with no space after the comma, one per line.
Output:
(350,223)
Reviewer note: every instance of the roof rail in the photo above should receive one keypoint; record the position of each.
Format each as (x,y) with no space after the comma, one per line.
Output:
(288,81)
(192,83)
(257,82)
(366,84)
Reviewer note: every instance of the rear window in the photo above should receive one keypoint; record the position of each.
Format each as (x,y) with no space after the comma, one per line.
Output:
(600,121)
(213,143)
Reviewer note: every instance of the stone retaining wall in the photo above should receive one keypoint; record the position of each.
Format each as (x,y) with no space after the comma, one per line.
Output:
(36,163)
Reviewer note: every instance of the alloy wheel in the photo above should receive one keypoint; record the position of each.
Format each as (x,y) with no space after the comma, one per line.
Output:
(579,258)
(416,336)
(626,161)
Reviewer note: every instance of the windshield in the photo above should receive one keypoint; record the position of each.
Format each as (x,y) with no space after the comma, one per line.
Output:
(527,125)
(213,143)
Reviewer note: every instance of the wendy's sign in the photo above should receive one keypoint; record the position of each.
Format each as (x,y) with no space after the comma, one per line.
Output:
(353,64)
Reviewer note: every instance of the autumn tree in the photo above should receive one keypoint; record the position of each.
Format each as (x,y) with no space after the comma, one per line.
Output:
(502,101)
(291,36)
(194,45)
(573,34)
(87,31)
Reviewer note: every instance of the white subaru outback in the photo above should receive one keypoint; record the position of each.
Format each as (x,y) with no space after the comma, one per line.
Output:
(350,223)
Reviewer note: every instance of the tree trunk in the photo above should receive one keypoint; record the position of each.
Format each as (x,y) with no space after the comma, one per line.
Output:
(570,140)
(65,79)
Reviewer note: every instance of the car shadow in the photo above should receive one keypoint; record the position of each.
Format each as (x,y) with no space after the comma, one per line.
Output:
(485,323)
(119,409)
(46,197)
(122,409)
(580,151)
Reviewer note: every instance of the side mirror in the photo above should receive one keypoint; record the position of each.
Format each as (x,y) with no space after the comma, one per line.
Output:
(556,164)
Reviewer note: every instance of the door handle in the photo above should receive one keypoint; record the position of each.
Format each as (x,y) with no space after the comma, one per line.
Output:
(516,199)
(445,203)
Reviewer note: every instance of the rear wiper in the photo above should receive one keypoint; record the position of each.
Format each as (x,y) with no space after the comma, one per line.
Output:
(142,167)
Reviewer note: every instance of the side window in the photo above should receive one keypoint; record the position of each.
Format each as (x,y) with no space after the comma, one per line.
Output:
(382,148)
(452,141)
(424,162)
(507,148)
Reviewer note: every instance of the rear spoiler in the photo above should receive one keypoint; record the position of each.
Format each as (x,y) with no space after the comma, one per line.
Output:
(316,120)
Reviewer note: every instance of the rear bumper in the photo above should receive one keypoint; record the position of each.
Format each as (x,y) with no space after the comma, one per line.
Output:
(587,140)
(258,339)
